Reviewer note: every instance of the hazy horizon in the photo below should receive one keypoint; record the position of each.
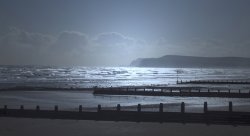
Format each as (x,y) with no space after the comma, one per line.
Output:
(116,32)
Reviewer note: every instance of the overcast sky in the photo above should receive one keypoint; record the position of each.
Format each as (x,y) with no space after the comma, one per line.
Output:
(115,32)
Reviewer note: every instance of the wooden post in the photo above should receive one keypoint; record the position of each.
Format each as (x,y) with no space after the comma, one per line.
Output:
(37,108)
(139,108)
(80,108)
(199,90)
(182,107)
(205,107)
(56,108)
(161,108)
(5,109)
(239,91)
(99,108)
(127,88)
(21,107)
(208,90)
(229,91)
(135,89)
(144,89)
(118,107)
(230,106)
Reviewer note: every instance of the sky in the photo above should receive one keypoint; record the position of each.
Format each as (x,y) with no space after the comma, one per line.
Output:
(115,32)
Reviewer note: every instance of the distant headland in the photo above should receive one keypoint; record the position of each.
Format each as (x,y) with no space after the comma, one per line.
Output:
(175,61)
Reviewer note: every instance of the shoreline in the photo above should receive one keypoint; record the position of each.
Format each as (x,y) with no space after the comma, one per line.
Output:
(70,100)
(229,117)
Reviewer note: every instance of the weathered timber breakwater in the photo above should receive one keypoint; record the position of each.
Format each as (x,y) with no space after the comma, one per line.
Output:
(173,91)
(214,82)
(229,117)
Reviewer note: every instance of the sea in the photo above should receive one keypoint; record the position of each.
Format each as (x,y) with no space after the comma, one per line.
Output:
(55,78)
(88,77)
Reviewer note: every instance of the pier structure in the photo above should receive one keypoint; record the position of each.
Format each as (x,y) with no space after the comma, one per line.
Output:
(173,91)
(213,82)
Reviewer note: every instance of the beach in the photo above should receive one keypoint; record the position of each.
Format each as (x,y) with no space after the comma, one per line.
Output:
(124,68)
(70,101)
(66,92)
(48,127)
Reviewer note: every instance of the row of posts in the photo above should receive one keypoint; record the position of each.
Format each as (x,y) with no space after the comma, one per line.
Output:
(211,81)
(180,90)
(37,108)
(118,108)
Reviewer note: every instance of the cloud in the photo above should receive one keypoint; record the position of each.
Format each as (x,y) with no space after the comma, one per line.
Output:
(116,48)
(22,47)
(69,40)
(111,48)
(17,37)
(68,48)
(113,39)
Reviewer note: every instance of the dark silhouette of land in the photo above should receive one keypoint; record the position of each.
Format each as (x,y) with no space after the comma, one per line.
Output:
(174,61)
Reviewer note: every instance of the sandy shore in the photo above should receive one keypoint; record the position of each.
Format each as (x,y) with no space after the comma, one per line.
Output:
(42,127)
(70,100)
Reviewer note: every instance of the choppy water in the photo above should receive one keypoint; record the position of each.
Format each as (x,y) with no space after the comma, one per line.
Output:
(85,77)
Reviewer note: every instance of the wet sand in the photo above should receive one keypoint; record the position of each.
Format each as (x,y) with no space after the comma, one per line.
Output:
(70,100)
(48,127)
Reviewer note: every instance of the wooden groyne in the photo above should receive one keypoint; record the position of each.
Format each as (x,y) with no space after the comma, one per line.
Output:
(175,91)
(214,82)
(229,117)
